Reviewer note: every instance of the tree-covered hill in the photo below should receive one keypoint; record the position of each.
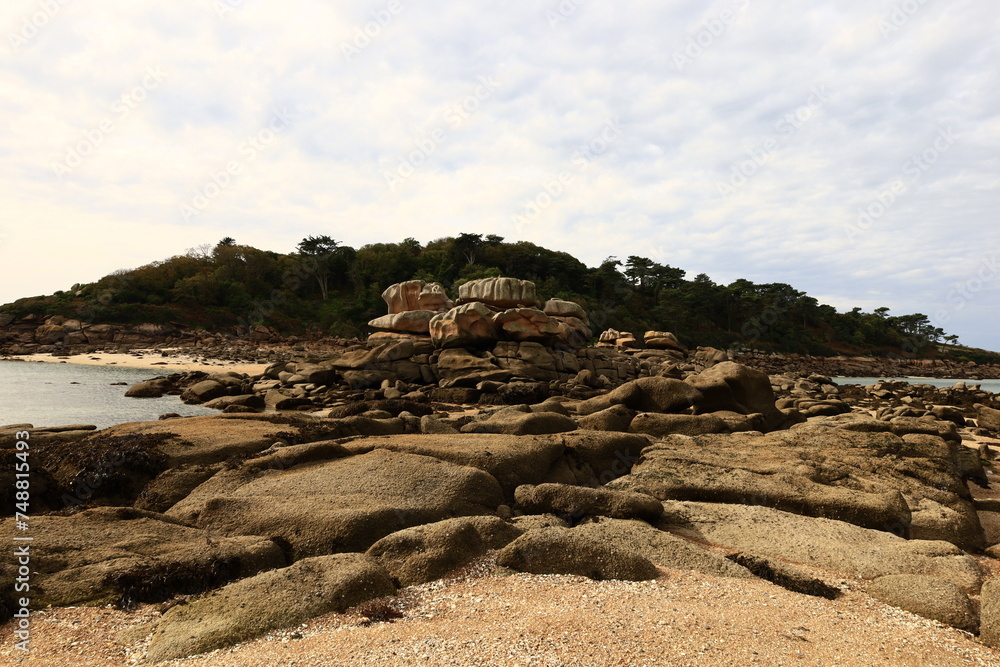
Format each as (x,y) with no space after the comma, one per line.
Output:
(326,288)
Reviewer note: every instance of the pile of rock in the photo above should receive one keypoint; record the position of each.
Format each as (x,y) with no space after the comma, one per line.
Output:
(487,311)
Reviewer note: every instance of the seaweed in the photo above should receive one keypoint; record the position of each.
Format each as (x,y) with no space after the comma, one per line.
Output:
(159,583)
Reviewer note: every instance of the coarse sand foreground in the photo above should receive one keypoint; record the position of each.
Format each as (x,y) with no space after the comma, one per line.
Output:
(483,618)
(175,361)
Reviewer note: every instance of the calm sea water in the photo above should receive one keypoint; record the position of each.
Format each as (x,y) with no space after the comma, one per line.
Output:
(986,385)
(53,394)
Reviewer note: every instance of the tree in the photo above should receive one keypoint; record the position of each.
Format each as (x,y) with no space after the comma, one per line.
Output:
(228,241)
(467,245)
(317,252)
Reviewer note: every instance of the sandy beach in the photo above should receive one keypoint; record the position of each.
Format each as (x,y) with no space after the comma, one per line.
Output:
(176,360)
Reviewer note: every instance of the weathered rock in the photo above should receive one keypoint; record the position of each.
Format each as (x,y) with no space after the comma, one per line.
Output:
(709,356)
(572,332)
(659,425)
(425,553)
(989,615)
(270,601)
(735,387)
(818,471)
(322,500)
(823,543)
(526,324)
(987,417)
(529,423)
(47,334)
(567,309)
(460,367)
(660,547)
(173,485)
(410,321)
(403,296)
(203,391)
(580,501)
(564,551)
(252,401)
(118,554)
(465,325)
(930,597)
(663,340)
(434,297)
(649,394)
(615,418)
(150,388)
(586,458)
(499,292)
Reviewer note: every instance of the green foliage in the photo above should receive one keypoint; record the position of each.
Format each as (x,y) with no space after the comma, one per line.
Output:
(332,288)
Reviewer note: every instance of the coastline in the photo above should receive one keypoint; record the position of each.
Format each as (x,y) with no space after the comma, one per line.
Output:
(174,361)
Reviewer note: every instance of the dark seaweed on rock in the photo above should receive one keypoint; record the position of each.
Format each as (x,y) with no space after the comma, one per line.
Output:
(393,406)
(162,582)
(797,582)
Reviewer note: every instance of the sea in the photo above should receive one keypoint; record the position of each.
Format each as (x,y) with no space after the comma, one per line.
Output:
(54,394)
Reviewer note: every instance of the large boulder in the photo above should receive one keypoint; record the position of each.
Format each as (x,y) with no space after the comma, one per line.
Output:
(47,334)
(930,597)
(564,551)
(434,297)
(739,388)
(568,309)
(410,321)
(204,391)
(323,500)
(615,418)
(587,458)
(425,553)
(150,388)
(118,554)
(572,332)
(526,324)
(648,394)
(660,547)
(404,296)
(460,367)
(522,423)
(499,292)
(580,501)
(874,480)
(663,340)
(822,543)
(270,601)
(464,325)
(659,425)
(989,615)
(987,417)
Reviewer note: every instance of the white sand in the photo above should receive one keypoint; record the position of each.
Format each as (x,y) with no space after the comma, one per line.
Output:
(177,360)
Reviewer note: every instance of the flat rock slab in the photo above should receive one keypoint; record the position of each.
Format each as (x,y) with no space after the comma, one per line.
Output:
(822,543)
(872,479)
(101,555)
(930,597)
(579,457)
(340,502)
(270,601)
(565,551)
(661,547)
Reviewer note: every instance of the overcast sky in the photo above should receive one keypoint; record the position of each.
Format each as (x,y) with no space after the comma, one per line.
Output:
(850,148)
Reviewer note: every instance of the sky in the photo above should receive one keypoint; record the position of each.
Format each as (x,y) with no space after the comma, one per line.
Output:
(849,148)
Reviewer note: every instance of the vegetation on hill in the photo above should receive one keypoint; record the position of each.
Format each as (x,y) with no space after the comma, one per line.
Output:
(328,288)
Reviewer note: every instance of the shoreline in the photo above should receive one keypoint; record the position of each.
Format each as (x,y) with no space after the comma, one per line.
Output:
(154,360)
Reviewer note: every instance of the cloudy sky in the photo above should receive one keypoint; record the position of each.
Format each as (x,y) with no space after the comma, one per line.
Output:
(850,148)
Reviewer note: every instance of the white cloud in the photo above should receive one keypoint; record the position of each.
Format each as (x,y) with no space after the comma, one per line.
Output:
(653,189)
